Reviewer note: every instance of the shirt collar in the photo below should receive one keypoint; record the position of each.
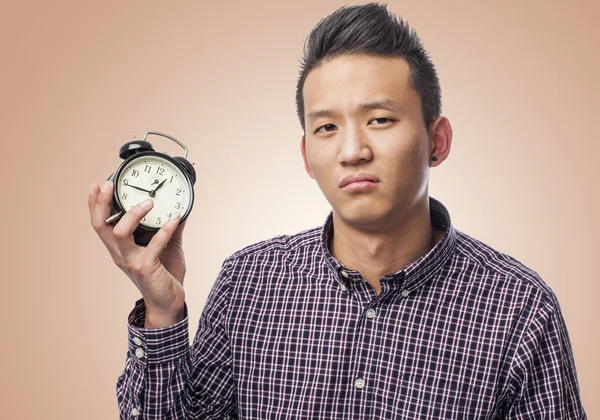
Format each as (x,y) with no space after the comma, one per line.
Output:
(417,272)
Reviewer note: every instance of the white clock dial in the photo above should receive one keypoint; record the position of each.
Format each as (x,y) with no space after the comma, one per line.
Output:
(174,193)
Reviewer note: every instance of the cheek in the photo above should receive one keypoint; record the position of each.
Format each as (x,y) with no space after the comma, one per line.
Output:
(402,157)
(407,142)
(323,164)
(320,160)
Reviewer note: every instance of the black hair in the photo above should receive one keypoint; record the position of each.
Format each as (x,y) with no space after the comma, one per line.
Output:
(371,29)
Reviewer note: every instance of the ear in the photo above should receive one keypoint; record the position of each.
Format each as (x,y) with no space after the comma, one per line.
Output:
(440,139)
(306,165)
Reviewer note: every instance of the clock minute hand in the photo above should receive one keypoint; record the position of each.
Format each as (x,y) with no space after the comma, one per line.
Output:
(138,188)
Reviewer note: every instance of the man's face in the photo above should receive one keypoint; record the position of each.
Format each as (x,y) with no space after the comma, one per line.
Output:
(389,144)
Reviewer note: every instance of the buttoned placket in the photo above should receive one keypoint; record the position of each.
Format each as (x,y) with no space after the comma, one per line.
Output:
(365,346)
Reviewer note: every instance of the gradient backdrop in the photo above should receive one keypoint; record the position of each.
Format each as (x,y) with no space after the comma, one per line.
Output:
(79,79)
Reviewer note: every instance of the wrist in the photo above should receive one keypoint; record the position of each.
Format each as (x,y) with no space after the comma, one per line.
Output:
(158,319)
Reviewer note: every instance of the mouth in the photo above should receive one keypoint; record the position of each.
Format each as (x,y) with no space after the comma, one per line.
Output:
(359,181)
(359,186)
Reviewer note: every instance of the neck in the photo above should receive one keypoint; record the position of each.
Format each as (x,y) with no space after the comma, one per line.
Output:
(375,253)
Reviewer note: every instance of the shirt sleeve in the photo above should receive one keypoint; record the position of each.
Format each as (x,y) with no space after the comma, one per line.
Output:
(543,375)
(166,378)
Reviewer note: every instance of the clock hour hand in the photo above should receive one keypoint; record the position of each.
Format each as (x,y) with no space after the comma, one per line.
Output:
(159,185)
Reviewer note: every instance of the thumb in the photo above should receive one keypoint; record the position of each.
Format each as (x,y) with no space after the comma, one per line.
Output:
(177,237)
(161,238)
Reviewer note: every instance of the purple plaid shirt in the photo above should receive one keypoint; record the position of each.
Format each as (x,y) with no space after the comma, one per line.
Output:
(288,332)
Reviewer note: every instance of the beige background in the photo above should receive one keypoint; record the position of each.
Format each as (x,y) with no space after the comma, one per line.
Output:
(79,79)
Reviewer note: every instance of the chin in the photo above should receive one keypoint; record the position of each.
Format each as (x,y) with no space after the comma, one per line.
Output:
(361,215)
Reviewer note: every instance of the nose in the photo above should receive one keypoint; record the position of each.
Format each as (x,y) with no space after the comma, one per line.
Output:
(354,147)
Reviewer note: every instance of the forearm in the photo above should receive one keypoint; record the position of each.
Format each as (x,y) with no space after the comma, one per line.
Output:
(167,378)
(156,369)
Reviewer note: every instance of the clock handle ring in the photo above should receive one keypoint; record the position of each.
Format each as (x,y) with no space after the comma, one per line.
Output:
(185,150)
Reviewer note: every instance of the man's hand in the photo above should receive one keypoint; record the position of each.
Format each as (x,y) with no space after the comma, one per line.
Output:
(156,270)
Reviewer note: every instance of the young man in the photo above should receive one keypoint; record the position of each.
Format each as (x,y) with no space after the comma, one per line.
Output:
(386,311)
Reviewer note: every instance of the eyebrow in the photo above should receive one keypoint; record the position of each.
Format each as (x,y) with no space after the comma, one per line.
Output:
(388,104)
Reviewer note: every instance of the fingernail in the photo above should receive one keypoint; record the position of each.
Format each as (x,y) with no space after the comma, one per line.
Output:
(106,185)
(146,203)
(174,216)
(92,187)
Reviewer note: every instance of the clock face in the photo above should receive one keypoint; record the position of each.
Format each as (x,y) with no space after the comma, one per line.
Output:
(172,191)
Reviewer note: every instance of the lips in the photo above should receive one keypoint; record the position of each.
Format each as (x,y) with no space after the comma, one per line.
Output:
(358,178)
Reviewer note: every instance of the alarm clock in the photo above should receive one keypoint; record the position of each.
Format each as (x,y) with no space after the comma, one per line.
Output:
(146,173)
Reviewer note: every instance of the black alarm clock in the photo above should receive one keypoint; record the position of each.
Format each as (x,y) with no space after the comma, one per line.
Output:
(146,173)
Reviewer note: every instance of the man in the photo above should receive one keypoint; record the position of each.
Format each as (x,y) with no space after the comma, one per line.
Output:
(386,311)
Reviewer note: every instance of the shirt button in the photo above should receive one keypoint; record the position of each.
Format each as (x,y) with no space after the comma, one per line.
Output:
(137,341)
(139,352)
(344,274)
(135,411)
(359,383)
(405,293)
(371,313)
(343,288)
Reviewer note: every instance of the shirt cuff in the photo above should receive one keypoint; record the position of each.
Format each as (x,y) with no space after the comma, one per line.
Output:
(156,345)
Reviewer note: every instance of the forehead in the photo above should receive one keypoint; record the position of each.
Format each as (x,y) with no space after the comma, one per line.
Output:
(343,83)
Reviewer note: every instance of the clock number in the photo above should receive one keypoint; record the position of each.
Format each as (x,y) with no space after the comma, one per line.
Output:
(178,191)
(160,171)
(177,205)
(148,168)
(171,181)
(124,196)
(158,220)
(135,172)
(169,215)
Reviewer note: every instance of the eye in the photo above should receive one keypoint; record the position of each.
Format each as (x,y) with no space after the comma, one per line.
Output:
(325,126)
(382,120)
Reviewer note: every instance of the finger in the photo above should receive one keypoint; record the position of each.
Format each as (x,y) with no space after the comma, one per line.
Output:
(161,238)
(99,206)
(123,230)
(99,202)
(92,199)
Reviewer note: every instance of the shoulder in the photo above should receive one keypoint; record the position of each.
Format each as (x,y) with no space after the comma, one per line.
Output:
(279,245)
(502,266)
